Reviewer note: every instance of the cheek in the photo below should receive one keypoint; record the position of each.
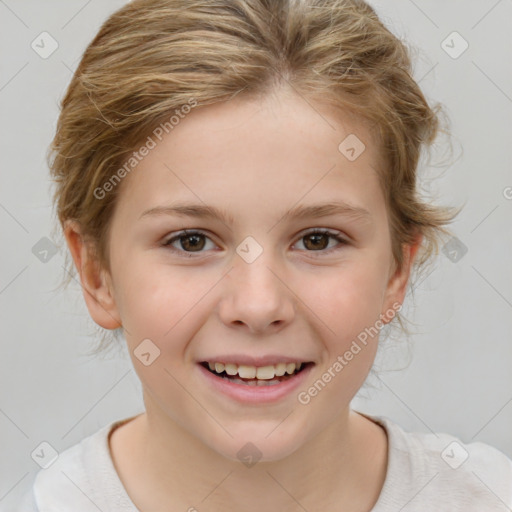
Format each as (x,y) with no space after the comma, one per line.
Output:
(164,305)
(347,305)
(347,299)
(156,300)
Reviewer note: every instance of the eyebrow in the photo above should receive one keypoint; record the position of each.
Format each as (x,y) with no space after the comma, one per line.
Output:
(298,212)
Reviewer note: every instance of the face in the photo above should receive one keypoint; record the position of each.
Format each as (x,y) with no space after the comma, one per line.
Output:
(278,278)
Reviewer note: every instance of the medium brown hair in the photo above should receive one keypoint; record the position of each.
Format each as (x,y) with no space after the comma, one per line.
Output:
(152,57)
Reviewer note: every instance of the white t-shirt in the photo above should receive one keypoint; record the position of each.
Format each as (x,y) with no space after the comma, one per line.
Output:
(425,473)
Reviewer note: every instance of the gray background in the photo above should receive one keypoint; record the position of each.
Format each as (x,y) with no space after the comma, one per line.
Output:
(457,378)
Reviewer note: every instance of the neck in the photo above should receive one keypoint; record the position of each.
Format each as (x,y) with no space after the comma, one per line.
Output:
(165,464)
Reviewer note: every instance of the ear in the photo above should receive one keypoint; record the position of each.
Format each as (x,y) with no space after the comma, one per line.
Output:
(397,284)
(95,281)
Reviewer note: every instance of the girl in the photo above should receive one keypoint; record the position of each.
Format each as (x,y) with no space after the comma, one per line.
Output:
(236,182)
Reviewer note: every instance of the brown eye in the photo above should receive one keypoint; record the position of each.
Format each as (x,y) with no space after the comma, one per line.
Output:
(316,241)
(188,242)
(194,242)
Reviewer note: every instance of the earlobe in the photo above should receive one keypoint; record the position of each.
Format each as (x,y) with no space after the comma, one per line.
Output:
(95,282)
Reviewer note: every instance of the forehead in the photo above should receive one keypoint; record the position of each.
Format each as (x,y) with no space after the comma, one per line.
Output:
(258,153)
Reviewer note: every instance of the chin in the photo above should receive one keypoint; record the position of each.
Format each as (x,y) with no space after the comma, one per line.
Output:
(255,443)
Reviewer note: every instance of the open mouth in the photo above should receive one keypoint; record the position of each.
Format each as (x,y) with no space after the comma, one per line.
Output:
(256,376)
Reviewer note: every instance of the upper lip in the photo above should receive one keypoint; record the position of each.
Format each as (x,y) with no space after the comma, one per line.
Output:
(258,361)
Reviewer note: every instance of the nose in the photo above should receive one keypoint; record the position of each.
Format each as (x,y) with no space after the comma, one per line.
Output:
(256,298)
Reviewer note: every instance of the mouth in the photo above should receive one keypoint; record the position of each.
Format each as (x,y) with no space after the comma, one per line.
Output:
(245,375)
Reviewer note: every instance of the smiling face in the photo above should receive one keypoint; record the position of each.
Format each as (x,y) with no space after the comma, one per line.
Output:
(258,286)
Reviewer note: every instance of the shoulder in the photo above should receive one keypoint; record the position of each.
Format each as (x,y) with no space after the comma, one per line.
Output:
(437,469)
(82,477)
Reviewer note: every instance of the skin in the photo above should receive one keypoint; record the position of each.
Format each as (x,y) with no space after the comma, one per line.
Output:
(255,160)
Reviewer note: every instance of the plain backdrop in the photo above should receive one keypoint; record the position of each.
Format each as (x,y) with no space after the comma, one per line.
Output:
(453,375)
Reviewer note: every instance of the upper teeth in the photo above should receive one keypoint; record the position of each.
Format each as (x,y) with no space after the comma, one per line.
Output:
(251,372)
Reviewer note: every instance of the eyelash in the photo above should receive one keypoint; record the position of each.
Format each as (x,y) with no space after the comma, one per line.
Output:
(188,254)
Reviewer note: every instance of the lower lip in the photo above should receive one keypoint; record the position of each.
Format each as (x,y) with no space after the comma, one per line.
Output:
(255,394)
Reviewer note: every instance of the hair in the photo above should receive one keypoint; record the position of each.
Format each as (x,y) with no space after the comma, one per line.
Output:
(153,58)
